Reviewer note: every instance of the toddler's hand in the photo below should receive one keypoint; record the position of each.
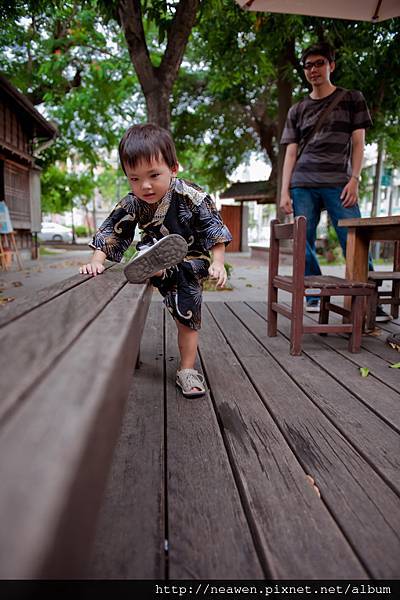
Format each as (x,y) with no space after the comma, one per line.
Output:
(92,268)
(217,271)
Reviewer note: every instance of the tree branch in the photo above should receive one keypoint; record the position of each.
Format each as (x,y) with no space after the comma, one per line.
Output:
(130,14)
(178,35)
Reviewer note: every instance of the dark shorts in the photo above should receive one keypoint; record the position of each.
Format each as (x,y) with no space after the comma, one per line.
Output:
(182,289)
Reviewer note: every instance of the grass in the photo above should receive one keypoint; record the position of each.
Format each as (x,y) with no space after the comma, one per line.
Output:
(45,251)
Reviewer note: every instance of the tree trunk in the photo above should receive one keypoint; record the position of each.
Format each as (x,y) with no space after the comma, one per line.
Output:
(377,180)
(285,89)
(158,107)
(157,82)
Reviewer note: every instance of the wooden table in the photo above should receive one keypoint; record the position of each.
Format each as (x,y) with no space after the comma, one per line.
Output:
(360,233)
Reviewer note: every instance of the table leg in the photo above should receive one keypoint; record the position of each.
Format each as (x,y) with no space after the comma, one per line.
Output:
(356,258)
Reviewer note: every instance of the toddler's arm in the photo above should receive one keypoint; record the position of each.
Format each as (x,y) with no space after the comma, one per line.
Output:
(96,265)
(217,267)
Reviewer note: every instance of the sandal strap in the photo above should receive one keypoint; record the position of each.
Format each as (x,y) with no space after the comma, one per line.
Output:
(190,378)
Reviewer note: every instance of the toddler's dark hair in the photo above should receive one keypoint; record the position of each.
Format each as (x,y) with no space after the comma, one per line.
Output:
(323,49)
(146,143)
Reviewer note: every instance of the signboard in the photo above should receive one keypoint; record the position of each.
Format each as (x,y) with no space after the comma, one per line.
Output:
(5,221)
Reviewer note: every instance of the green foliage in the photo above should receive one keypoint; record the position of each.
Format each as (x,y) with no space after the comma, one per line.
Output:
(60,189)
(65,59)
(71,59)
(228,269)
(81,231)
(130,253)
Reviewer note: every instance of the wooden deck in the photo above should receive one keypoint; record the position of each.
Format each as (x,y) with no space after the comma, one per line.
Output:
(217,488)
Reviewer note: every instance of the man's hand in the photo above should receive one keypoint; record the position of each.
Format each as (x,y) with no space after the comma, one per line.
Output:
(92,268)
(349,195)
(217,271)
(286,203)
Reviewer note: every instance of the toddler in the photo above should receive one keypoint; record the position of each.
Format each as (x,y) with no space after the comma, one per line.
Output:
(180,227)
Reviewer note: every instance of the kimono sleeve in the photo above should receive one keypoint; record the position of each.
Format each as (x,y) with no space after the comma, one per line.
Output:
(209,226)
(116,234)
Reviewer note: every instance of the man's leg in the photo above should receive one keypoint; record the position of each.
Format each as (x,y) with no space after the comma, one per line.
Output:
(306,202)
(337,211)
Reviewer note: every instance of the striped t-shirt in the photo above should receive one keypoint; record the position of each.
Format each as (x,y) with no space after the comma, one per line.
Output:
(325,161)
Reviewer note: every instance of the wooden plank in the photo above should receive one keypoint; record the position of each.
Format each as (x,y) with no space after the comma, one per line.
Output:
(25,304)
(284,231)
(365,508)
(38,339)
(378,358)
(373,438)
(208,534)
(55,451)
(369,221)
(296,534)
(356,257)
(372,391)
(129,542)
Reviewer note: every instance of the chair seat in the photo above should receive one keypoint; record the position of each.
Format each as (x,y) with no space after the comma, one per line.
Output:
(325,282)
(380,275)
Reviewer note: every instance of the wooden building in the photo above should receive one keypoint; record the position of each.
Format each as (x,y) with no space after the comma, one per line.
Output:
(23,130)
(235,216)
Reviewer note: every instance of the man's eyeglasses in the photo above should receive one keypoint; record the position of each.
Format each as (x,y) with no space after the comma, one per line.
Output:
(316,63)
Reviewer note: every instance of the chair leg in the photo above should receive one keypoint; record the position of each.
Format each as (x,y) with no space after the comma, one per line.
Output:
(357,317)
(272,314)
(324,312)
(372,303)
(395,297)
(296,325)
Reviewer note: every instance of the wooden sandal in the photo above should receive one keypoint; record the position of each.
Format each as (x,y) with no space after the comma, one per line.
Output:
(187,379)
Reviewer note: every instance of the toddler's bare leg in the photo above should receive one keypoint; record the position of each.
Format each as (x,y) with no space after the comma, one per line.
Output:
(187,342)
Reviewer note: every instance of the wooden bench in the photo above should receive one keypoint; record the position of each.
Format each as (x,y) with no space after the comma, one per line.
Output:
(67,357)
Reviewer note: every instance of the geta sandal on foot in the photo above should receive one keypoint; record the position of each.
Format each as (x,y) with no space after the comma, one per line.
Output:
(187,380)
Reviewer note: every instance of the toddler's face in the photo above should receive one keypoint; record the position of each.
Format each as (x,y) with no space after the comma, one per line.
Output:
(150,181)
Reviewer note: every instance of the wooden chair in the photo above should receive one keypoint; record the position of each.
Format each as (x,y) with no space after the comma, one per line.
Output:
(392,296)
(300,286)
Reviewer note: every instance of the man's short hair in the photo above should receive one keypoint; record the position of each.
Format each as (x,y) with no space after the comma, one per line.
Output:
(146,143)
(322,49)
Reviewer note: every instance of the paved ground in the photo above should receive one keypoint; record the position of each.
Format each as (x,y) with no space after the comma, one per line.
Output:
(248,280)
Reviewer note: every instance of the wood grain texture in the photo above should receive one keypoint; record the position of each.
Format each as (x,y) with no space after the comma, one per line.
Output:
(38,339)
(296,533)
(372,437)
(56,449)
(370,221)
(129,541)
(208,534)
(365,508)
(25,304)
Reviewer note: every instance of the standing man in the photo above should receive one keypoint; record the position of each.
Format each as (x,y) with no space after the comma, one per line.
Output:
(326,173)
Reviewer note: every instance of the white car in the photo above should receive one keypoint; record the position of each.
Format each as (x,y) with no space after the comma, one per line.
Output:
(54,232)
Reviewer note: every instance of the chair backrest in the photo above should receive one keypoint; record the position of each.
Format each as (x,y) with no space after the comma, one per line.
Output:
(295,231)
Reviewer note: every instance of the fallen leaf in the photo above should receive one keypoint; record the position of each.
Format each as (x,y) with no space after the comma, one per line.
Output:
(17,283)
(6,300)
(364,371)
(395,366)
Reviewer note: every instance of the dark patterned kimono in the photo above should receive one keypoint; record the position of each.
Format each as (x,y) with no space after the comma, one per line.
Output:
(186,210)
